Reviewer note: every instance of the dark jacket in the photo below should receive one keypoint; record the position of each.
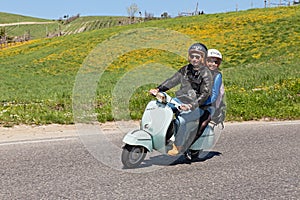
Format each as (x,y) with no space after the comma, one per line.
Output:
(195,86)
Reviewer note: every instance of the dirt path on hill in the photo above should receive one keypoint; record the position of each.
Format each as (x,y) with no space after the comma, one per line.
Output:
(24,23)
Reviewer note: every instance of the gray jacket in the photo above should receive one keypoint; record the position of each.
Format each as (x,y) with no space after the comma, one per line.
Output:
(195,86)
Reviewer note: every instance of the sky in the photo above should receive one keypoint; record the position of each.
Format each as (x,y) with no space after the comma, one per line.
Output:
(55,9)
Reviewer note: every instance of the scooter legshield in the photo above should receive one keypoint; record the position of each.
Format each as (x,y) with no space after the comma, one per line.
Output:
(139,138)
(156,120)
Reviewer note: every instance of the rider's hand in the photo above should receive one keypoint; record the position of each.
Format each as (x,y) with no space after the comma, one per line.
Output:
(154,91)
(185,107)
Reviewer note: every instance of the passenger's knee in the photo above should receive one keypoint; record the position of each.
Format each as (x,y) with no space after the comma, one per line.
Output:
(205,122)
(181,120)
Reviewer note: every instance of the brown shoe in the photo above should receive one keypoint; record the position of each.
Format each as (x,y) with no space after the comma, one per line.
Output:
(174,151)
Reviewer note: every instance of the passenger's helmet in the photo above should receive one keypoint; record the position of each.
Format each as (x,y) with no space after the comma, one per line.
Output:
(214,53)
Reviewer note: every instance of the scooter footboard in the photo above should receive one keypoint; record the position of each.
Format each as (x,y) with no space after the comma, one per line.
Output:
(139,138)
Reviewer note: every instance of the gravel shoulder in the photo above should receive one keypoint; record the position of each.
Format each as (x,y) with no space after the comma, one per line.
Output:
(34,132)
(27,132)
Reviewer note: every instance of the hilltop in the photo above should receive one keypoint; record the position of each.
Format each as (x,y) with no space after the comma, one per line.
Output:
(6,18)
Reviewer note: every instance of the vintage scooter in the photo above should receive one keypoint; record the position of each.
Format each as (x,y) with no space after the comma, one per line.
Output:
(157,129)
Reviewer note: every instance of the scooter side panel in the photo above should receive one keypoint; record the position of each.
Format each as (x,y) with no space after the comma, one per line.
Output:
(139,138)
(206,141)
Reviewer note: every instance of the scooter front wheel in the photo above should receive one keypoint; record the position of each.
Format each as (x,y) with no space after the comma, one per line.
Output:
(133,156)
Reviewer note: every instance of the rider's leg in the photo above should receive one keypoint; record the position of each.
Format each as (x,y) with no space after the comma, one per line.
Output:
(179,137)
(182,135)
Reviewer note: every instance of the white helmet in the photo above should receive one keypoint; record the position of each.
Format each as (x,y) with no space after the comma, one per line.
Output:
(214,53)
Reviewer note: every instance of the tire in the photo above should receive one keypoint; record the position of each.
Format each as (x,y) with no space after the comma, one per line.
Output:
(195,153)
(133,156)
(192,155)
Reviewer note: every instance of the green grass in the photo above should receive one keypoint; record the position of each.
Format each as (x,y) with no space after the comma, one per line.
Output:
(13,18)
(260,68)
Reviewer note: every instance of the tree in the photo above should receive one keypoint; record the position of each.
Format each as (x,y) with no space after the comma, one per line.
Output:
(132,10)
(148,16)
(164,15)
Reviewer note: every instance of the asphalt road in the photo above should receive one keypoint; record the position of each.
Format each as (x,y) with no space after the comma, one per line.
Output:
(250,161)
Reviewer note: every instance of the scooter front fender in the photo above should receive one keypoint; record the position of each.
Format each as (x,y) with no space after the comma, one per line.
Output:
(139,138)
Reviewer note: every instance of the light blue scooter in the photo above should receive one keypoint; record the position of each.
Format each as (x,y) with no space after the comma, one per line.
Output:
(157,130)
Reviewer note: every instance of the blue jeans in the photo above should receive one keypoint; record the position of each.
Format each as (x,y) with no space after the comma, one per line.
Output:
(185,117)
(172,106)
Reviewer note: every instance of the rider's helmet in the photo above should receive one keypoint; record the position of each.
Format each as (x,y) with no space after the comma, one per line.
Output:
(200,49)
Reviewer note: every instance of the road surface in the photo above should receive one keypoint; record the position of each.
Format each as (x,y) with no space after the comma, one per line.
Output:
(252,160)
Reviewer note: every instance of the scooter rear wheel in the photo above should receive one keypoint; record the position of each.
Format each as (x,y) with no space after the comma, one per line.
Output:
(133,156)
(192,154)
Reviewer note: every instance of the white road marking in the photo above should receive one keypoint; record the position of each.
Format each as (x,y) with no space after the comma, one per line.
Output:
(38,141)
(264,123)
(285,123)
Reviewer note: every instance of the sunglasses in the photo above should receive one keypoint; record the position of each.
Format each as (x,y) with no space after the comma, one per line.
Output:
(217,62)
(195,56)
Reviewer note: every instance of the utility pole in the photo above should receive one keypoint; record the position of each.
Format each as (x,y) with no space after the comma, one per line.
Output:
(265,1)
(196,10)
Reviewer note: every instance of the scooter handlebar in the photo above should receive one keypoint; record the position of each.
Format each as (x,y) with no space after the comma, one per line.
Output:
(163,97)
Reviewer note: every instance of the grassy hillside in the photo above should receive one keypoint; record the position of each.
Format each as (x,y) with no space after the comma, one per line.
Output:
(90,23)
(35,30)
(260,68)
(13,18)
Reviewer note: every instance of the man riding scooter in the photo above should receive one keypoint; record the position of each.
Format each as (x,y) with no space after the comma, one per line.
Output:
(213,103)
(195,81)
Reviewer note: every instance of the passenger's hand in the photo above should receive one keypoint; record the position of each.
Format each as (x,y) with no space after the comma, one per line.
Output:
(154,91)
